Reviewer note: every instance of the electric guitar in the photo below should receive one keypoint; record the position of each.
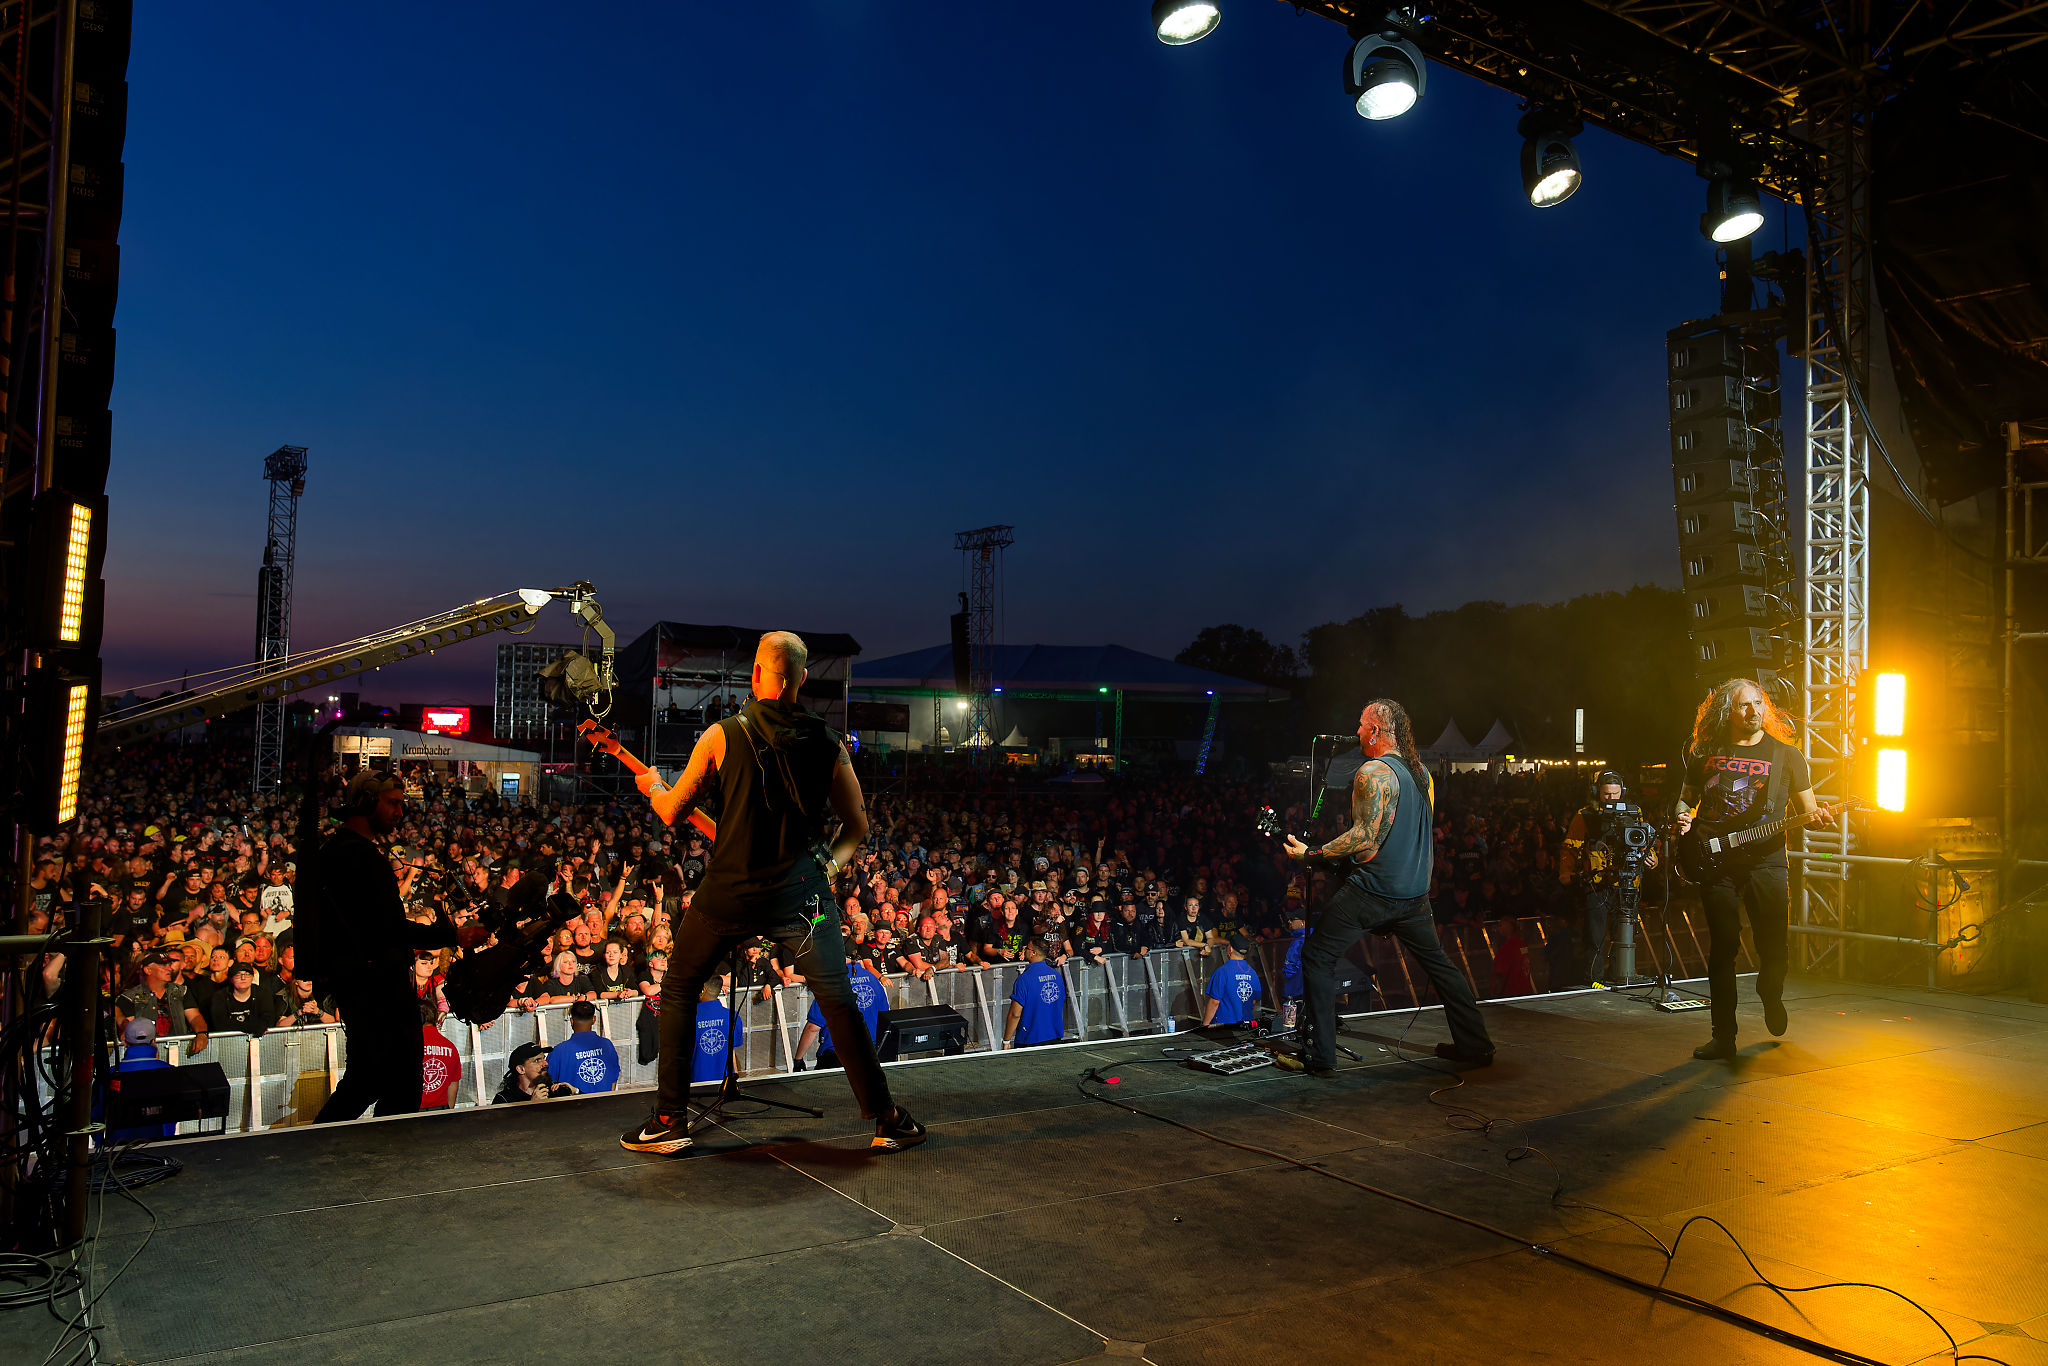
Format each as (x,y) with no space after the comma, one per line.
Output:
(1706,852)
(603,740)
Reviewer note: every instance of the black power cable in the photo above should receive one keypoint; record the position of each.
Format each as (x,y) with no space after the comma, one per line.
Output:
(1678,1297)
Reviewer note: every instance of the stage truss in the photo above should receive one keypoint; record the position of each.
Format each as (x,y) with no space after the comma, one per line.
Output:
(1784,92)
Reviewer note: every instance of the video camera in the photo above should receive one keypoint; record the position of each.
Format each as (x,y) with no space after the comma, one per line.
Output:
(1619,846)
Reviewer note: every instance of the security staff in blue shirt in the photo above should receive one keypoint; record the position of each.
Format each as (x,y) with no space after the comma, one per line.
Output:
(714,1027)
(869,995)
(1233,990)
(586,1060)
(1038,1003)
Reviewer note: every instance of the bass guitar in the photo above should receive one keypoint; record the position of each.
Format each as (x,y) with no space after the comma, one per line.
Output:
(604,741)
(1707,853)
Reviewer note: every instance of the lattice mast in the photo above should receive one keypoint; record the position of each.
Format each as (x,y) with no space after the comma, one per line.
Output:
(285,468)
(981,552)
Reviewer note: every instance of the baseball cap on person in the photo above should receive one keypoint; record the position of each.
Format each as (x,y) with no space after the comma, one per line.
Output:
(526,1052)
(243,970)
(139,1031)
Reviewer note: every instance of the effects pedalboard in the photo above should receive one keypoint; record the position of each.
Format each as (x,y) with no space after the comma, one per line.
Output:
(1242,1057)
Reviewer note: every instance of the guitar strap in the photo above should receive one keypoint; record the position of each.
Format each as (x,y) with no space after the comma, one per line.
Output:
(1777,792)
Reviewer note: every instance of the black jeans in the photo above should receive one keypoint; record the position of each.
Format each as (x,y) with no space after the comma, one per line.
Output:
(1350,912)
(820,956)
(386,1052)
(1595,904)
(1762,891)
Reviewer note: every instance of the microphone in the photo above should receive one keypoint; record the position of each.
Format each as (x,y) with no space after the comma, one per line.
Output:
(1340,739)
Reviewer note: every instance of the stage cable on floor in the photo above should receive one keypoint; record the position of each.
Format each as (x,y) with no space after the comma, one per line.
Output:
(1812,1346)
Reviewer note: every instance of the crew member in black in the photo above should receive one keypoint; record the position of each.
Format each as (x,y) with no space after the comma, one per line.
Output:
(365,955)
(1741,769)
(1587,866)
(1385,860)
(783,773)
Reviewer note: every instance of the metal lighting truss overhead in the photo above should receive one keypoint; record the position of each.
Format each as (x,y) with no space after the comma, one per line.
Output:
(1782,92)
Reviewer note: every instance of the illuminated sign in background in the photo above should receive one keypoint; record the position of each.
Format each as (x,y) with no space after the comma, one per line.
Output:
(445,720)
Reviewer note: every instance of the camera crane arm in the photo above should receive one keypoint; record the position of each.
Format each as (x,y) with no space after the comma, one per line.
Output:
(270,680)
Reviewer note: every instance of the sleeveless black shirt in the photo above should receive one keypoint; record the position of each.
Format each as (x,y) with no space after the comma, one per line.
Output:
(768,860)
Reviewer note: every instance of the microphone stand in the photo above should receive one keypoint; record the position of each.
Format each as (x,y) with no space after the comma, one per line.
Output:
(717,1109)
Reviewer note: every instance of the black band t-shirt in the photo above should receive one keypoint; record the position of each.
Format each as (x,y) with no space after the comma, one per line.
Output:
(1735,787)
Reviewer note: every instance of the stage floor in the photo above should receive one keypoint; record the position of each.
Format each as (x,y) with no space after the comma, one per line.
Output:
(1893,1136)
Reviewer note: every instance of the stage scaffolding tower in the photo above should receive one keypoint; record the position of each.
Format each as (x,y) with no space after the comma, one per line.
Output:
(981,553)
(1835,547)
(285,468)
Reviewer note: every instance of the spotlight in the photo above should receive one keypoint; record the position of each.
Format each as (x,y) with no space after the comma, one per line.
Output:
(1179,22)
(1889,705)
(62,710)
(1383,74)
(1891,779)
(1734,210)
(67,543)
(1550,163)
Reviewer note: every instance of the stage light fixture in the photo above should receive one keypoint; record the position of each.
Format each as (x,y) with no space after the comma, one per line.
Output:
(67,540)
(1550,160)
(1891,779)
(1734,209)
(1888,705)
(1180,22)
(1383,75)
(60,716)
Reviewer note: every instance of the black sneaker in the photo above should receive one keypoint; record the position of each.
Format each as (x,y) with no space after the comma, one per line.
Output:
(1775,1018)
(1450,1052)
(1287,1062)
(894,1135)
(657,1135)
(1715,1050)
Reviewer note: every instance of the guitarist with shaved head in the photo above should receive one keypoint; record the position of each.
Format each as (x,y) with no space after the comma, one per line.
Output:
(1743,769)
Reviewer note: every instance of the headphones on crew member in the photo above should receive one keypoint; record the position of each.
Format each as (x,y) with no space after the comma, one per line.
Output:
(1608,778)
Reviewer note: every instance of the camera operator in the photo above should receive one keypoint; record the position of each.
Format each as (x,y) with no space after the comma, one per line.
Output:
(1606,851)
(364,954)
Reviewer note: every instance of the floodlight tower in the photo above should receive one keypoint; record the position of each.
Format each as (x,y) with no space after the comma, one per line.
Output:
(981,553)
(285,468)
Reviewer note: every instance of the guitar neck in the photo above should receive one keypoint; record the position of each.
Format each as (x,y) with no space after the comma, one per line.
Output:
(703,823)
(1770,828)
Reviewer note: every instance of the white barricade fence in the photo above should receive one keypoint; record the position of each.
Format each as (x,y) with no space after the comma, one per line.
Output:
(282,1078)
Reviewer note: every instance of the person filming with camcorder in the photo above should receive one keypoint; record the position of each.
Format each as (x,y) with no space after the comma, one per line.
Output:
(1606,852)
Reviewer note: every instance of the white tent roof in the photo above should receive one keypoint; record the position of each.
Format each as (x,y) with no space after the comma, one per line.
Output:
(1497,740)
(1452,744)
(1016,740)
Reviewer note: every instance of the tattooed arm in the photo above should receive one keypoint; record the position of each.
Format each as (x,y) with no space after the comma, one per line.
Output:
(670,802)
(1374,797)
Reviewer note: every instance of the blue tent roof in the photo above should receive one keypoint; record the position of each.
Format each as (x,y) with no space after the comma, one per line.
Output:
(1056,668)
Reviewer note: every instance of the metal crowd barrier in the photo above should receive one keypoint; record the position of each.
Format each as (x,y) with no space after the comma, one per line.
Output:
(281,1078)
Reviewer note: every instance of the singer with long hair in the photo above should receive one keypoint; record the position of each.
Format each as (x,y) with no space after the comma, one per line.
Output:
(1384,862)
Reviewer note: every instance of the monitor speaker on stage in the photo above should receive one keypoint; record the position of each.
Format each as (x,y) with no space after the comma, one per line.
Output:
(920,1029)
(167,1095)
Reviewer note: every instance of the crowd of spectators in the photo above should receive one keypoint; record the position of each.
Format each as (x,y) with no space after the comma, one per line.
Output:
(196,876)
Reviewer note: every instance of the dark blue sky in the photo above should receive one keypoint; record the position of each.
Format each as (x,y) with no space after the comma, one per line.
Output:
(741,311)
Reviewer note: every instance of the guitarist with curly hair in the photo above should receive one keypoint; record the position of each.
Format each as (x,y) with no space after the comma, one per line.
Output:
(1743,769)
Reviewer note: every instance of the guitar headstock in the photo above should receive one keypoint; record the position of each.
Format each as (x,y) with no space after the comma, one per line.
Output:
(598,736)
(1268,822)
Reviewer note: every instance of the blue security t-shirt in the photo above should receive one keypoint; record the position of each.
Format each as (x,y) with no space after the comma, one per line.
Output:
(1042,994)
(586,1060)
(707,1062)
(1236,989)
(1290,966)
(867,993)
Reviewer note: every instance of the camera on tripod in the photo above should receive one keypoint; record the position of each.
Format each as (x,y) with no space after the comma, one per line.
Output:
(1621,848)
